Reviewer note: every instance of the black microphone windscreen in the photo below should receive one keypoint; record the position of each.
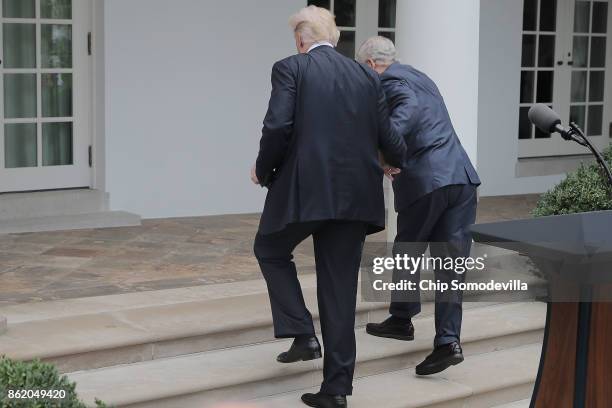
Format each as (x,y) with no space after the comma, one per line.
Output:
(544,118)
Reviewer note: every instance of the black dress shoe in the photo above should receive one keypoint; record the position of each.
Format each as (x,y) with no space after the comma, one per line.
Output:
(324,401)
(302,349)
(441,358)
(392,328)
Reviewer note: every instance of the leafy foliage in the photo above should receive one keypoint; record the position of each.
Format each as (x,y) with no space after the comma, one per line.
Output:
(584,190)
(15,375)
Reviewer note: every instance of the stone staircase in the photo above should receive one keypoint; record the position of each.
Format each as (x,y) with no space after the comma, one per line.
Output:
(196,346)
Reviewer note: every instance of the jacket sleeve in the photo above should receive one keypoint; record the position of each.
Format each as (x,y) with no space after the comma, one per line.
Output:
(278,123)
(391,144)
(403,105)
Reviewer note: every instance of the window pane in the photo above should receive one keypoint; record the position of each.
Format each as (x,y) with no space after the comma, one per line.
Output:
(56,95)
(600,17)
(20,145)
(529,50)
(56,45)
(527,86)
(56,9)
(581,51)
(386,13)
(595,120)
(20,96)
(582,16)
(319,3)
(19,45)
(57,144)
(577,115)
(546,51)
(541,135)
(345,12)
(548,15)
(545,87)
(530,15)
(598,52)
(596,86)
(346,45)
(579,82)
(525,126)
(18,9)
(387,34)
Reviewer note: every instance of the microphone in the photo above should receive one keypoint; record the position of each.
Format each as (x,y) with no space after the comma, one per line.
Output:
(547,120)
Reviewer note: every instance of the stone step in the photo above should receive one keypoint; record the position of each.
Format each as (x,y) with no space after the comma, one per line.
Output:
(104,219)
(99,332)
(482,381)
(517,404)
(129,334)
(50,203)
(250,372)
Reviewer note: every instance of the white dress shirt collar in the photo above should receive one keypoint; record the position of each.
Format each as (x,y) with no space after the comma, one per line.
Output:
(319,44)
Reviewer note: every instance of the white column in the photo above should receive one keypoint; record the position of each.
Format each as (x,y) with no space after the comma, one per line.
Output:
(441,38)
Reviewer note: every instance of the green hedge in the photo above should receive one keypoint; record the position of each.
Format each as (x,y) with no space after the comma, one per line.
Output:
(15,375)
(583,190)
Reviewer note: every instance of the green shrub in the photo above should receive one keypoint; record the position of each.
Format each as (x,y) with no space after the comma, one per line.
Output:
(15,375)
(584,190)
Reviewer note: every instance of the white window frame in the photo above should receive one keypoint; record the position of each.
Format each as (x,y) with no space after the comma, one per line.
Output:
(555,145)
(79,174)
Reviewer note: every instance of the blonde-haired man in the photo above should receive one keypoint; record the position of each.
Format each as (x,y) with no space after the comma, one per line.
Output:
(327,120)
(313,25)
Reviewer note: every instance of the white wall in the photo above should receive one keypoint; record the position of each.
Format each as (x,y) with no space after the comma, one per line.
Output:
(187,86)
(500,59)
(441,38)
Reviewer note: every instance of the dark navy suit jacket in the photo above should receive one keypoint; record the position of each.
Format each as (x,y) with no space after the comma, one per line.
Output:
(435,157)
(327,120)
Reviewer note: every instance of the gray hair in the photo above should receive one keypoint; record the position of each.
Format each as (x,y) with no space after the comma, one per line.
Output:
(379,49)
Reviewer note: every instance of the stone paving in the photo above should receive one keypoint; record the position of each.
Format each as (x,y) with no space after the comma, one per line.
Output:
(160,254)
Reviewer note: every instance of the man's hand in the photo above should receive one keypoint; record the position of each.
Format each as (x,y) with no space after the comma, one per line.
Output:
(254,178)
(391,172)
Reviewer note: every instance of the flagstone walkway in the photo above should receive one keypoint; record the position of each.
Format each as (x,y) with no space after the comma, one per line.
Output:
(160,254)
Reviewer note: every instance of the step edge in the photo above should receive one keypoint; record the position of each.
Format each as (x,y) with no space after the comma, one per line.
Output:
(149,339)
(189,390)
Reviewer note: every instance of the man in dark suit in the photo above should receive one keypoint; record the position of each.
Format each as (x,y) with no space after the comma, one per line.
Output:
(327,120)
(435,197)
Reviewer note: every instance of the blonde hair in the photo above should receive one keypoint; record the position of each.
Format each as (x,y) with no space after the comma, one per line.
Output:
(315,24)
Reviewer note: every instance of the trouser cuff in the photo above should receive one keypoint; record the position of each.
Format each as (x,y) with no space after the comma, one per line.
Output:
(443,341)
(336,389)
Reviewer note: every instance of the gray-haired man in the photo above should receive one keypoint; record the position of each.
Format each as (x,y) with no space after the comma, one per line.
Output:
(435,196)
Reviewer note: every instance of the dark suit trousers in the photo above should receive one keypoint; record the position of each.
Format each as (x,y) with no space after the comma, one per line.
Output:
(441,221)
(338,247)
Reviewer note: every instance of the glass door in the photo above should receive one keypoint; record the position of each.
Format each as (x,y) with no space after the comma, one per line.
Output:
(45,88)
(589,103)
(565,63)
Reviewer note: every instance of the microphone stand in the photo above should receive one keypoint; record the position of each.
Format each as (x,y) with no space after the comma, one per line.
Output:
(577,135)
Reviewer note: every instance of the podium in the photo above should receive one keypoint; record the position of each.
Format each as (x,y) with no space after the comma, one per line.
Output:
(574,253)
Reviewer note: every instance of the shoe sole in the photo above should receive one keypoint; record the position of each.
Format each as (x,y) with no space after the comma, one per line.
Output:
(390,336)
(311,404)
(453,361)
(312,356)
(314,405)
